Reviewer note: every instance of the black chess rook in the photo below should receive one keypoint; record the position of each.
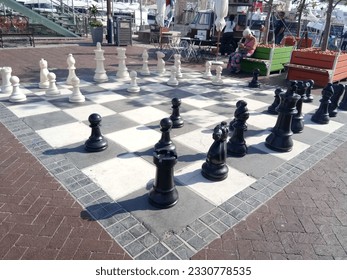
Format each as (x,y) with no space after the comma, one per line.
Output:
(177,121)
(280,138)
(215,168)
(96,141)
(164,193)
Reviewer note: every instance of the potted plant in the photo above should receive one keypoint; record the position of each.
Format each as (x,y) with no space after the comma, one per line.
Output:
(319,64)
(96,25)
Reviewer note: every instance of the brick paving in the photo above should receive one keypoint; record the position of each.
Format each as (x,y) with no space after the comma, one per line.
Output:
(40,220)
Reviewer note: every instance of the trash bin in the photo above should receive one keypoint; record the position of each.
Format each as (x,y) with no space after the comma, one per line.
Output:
(122,30)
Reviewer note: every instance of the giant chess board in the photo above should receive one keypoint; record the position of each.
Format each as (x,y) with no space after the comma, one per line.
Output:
(113,185)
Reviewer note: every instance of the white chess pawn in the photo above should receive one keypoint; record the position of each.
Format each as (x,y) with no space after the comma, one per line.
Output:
(44,83)
(6,86)
(218,79)
(178,65)
(208,74)
(76,96)
(173,80)
(52,89)
(17,95)
(100,73)
(133,83)
(71,67)
(145,70)
(161,63)
(122,69)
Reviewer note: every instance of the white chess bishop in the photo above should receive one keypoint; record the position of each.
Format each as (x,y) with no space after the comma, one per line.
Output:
(71,67)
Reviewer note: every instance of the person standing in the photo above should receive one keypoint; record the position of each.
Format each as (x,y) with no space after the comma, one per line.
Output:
(280,25)
(344,41)
(228,44)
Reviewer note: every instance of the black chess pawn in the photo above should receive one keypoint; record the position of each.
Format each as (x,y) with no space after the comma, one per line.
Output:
(231,124)
(321,115)
(339,89)
(164,193)
(96,141)
(343,104)
(175,117)
(255,83)
(215,168)
(280,138)
(236,145)
(272,108)
(298,119)
(308,98)
(165,142)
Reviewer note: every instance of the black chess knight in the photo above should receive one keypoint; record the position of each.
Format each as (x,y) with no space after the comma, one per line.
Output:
(272,108)
(321,115)
(96,141)
(215,168)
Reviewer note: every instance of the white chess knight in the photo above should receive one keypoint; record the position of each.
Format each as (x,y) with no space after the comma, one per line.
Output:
(218,79)
(71,67)
(178,65)
(76,96)
(173,77)
(208,74)
(133,83)
(100,73)
(145,70)
(6,86)
(52,89)
(44,83)
(161,63)
(122,69)
(17,95)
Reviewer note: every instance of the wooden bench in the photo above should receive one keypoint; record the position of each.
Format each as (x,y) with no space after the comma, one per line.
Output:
(14,28)
(267,60)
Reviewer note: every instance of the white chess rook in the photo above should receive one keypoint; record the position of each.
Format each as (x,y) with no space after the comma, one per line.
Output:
(6,86)
(122,69)
(71,67)
(17,95)
(173,80)
(161,63)
(100,73)
(145,70)
(133,83)
(44,83)
(52,89)
(76,96)
(218,79)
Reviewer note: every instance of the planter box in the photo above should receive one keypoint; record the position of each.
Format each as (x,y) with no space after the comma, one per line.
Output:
(320,67)
(267,60)
(302,42)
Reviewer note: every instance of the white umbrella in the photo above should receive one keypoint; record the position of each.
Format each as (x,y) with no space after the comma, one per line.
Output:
(161,12)
(221,11)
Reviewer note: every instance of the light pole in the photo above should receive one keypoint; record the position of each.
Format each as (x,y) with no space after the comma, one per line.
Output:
(109,22)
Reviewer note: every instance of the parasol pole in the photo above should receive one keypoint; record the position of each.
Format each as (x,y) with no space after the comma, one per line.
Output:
(218,39)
